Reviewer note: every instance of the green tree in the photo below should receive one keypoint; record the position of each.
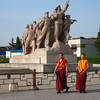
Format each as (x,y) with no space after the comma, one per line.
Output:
(18,45)
(97,42)
(12,44)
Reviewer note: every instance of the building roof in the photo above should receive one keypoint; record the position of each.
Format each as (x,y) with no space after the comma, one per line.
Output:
(5,48)
(15,50)
(89,38)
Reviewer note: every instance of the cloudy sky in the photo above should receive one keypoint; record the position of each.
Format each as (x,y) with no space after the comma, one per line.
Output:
(15,14)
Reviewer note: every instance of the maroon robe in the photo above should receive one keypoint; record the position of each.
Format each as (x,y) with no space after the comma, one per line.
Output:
(61,82)
(81,82)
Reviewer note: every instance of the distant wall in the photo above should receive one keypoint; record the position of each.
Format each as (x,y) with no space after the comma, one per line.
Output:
(83,46)
(12,53)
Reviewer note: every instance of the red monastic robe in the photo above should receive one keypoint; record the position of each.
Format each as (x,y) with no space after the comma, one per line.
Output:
(61,75)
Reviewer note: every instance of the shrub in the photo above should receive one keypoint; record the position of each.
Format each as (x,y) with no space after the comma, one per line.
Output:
(94,60)
(4,60)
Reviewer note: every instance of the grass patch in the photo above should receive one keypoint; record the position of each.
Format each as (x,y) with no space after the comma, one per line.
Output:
(4,60)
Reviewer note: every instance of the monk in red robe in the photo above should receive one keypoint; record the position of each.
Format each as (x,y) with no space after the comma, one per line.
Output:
(61,70)
(82,74)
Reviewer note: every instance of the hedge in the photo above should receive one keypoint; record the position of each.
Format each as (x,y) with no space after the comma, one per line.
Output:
(94,60)
(4,60)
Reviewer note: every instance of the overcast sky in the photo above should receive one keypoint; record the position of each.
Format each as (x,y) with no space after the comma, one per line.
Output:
(15,14)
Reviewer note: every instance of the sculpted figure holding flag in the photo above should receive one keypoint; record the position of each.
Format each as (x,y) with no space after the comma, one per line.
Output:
(58,17)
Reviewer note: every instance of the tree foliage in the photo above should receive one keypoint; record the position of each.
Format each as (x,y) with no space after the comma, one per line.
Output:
(12,44)
(18,45)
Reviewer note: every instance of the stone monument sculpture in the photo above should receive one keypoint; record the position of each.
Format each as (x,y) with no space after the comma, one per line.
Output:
(56,26)
(44,39)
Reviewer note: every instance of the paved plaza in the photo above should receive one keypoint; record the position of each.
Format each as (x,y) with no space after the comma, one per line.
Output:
(49,93)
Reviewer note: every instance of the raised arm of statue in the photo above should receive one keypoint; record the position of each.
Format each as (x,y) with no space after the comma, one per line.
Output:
(73,20)
(66,6)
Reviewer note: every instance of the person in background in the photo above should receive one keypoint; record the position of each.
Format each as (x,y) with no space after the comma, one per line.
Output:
(61,70)
(82,74)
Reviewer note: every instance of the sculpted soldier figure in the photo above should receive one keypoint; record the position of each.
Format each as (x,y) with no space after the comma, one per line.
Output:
(24,37)
(37,30)
(34,23)
(66,28)
(58,17)
(30,42)
(45,32)
(33,43)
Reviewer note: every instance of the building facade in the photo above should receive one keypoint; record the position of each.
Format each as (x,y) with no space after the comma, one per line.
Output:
(12,53)
(83,45)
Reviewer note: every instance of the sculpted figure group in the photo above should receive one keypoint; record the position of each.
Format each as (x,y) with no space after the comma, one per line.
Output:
(47,30)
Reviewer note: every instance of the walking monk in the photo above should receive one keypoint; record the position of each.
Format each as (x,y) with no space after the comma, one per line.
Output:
(61,70)
(82,74)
